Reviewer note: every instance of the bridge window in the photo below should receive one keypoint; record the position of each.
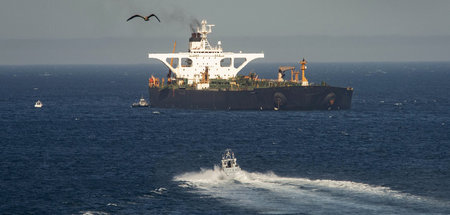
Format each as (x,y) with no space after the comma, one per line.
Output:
(186,62)
(226,62)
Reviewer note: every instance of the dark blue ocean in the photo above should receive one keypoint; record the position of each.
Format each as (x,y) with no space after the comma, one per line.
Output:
(86,151)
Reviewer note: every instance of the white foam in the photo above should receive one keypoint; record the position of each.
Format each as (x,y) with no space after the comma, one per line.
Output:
(269,193)
(159,191)
(94,213)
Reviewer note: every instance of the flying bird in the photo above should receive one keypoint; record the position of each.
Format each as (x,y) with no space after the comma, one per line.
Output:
(145,18)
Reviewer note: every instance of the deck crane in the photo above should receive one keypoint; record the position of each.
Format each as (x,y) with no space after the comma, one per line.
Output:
(169,75)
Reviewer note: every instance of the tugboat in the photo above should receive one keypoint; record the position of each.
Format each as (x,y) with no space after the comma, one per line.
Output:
(38,104)
(141,103)
(229,165)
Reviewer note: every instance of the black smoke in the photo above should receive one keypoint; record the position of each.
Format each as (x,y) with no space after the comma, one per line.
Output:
(194,24)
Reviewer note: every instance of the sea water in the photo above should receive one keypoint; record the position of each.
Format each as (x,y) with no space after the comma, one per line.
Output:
(86,151)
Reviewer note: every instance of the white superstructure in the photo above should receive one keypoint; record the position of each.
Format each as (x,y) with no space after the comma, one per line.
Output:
(203,57)
(229,164)
(38,104)
(141,103)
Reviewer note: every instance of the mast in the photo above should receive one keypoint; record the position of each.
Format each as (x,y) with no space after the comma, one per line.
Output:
(204,31)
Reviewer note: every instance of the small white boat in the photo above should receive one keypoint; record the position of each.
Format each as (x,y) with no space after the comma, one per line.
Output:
(229,165)
(141,103)
(38,104)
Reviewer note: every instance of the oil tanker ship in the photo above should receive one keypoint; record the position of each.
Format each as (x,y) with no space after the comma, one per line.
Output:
(206,77)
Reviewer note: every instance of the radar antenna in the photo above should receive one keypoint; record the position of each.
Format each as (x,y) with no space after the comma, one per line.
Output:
(204,31)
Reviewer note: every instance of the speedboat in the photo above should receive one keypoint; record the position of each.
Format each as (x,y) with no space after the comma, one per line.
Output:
(38,104)
(141,103)
(229,165)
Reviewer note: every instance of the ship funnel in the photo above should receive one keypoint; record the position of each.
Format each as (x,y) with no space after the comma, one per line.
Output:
(195,37)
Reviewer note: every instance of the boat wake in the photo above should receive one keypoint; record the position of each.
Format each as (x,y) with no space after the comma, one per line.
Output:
(272,194)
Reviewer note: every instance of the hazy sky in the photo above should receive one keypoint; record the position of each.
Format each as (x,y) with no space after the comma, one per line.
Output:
(90,31)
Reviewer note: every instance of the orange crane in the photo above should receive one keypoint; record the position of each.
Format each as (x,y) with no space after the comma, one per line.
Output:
(169,76)
(303,67)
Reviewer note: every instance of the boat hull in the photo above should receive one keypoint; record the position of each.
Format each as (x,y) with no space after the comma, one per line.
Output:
(231,170)
(137,105)
(276,98)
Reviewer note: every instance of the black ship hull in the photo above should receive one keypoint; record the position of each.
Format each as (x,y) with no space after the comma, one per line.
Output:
(275,98)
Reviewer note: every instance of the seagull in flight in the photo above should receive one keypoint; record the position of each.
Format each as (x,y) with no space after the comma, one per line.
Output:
(145,18)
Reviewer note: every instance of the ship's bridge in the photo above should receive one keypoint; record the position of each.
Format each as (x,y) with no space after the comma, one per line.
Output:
(202,56)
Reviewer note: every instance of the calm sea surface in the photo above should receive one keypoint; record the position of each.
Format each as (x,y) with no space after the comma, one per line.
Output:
(87,152)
